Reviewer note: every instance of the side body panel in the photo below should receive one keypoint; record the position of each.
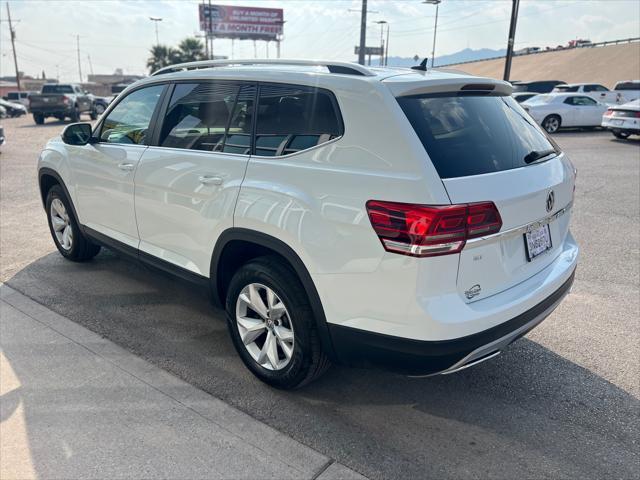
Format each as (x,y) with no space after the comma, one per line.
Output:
(315,200)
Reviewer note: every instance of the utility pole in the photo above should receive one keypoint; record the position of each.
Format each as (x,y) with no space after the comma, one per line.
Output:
(79,63)
(363,32)
(90,64)
(512,35)
(210,32)
(13,45)
(382,23)
(386,53)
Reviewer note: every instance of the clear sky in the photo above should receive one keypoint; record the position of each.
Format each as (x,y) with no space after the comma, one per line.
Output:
(118,34)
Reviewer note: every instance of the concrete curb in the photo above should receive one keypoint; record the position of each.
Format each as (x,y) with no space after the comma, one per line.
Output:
(29,328)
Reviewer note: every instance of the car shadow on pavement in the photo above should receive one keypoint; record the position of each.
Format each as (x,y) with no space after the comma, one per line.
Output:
(528,413)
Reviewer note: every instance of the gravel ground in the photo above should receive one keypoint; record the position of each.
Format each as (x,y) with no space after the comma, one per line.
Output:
(562,402)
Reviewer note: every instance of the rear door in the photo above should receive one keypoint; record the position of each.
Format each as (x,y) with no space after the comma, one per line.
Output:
(188,180)
(480,145)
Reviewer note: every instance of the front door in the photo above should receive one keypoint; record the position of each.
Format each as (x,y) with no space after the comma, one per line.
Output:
(104,171)
(187,185)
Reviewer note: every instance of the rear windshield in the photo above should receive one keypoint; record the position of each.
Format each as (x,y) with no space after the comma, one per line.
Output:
(57,89)
(627,86)
(472,135)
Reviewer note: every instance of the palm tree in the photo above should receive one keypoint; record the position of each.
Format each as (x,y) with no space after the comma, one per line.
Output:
(162,56)
(191,49)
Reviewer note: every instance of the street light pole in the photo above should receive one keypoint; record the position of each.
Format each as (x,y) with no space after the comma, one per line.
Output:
(156,20)
(435,29)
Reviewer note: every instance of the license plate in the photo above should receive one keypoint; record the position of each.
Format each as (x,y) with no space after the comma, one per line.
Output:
(618,122)
(537,241)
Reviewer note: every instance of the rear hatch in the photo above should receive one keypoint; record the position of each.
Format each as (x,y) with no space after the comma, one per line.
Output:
(49,101)
(485,147)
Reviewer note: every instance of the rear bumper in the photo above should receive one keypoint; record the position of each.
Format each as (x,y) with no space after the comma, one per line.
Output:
(357,347)
(623,124)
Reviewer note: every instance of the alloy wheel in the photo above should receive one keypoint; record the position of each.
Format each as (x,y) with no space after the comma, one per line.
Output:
(265,327)
(61,224)
(551,125)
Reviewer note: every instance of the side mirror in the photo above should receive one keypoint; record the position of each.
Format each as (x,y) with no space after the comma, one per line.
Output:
(77,134)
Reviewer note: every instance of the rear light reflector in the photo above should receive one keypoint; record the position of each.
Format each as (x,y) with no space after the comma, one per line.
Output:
(428,231)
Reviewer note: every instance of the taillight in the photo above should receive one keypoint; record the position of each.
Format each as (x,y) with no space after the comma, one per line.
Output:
(637,115)
(609,112)
(65,99)
(428,231)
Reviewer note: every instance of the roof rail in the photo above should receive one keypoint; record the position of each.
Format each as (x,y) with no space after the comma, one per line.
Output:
(333,67)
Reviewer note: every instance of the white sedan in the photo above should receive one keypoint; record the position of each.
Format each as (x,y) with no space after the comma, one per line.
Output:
(623,120)
(555,110)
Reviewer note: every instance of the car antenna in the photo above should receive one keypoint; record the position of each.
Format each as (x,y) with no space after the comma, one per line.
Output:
(423,65)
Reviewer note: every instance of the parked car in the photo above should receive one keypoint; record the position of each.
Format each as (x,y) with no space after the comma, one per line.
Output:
(630,89)
(594,90)
(538,86)
(523,96)
(100,104)
(3,112)
(13,109)
(555,110)
(21,97)
(332,228)
(61,100)
(3,139)
(623,120)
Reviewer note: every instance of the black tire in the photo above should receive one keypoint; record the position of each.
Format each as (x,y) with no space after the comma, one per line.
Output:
(551,123)
(621,135)
(81,247)
(38,118)
(93,115)
(308,361)
(99,108)
(75,115)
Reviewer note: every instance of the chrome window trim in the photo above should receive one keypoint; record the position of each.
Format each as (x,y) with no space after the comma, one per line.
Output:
(521,230)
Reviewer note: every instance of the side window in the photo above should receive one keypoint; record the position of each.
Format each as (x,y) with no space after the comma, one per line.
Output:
(129,121)
(293,118)
(589,88)
(584,101)
(569,100)
(600,88)
(197,115)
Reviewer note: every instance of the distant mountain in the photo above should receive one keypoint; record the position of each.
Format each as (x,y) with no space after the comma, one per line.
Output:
(466,55)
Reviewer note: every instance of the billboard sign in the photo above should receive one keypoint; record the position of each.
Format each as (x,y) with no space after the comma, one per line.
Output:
(227,21)
(369,50)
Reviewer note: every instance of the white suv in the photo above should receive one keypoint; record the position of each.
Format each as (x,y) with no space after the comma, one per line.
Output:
(417,220)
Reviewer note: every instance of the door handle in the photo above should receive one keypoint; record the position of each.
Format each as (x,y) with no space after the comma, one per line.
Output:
(210,180)
(127,167)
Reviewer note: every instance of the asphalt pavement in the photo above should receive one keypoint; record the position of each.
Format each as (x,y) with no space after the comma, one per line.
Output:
(561,402)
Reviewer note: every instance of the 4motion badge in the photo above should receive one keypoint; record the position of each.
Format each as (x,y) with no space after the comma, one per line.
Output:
(473,292)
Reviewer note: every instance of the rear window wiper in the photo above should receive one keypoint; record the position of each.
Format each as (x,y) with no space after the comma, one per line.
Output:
(538,154)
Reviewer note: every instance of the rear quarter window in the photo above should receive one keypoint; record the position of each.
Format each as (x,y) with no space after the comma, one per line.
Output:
(293,118)
(474,135)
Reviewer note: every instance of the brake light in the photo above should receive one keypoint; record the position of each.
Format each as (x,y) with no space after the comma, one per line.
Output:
(428,231)
(65,99)
(637,115)
(609,112)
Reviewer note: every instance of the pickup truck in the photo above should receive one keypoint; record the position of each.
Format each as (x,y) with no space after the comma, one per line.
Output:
(61,100)
(596,91)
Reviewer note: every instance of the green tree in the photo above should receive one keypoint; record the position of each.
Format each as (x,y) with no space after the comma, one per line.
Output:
(191,49)
(162,56)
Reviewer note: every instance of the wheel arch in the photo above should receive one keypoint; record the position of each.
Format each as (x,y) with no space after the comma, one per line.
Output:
(47,178)
(236,246)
